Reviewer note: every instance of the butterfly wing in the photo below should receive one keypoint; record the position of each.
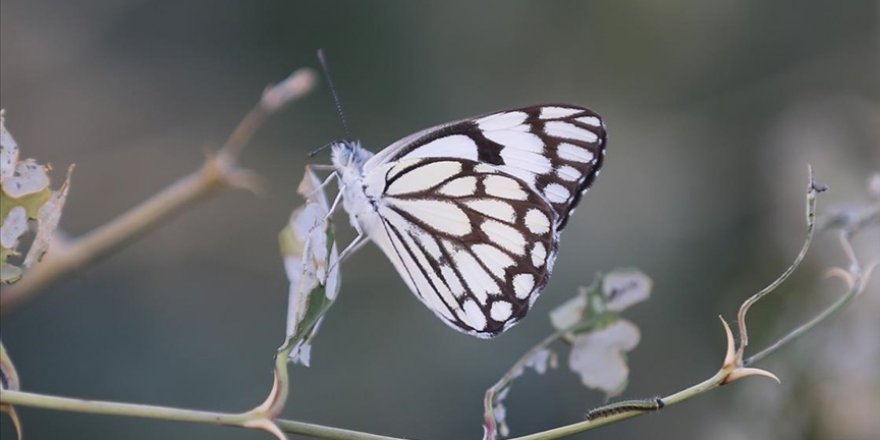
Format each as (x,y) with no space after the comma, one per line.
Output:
(557,149)
(476,245)
(471,210)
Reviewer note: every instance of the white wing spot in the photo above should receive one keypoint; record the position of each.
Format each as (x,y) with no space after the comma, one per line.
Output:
(457,145)
(505,236)
(504,187)
(482,168)
(537,222)
(439,302)
(523,284)
(423,177)
(440,215)
(556,193)
(397,167)
(430,244)
(558,112)
(473,316)
(521,170)
(574,153)
(451,279)
(478,280)
(566,130)
(539,255)
(569,173)
(494,259)
(502,121)
(589,120)
(493,208)
(501,311)
(516,140)
(525,165)
(460,187)
(434,291)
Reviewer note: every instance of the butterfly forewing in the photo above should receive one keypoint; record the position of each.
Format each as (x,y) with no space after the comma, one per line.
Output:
(556,149)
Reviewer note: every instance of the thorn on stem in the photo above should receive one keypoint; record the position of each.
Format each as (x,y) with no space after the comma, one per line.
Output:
(733,361)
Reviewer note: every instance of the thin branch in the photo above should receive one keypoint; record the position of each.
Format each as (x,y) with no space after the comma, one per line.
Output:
(320,431)
(219,171)
(35,400)
(813,189)
(857,282)
(734,367)
(587,425)
(22,398)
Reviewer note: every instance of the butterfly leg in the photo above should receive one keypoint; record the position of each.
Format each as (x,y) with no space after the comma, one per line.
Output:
(334,206)
(352,247)
(323,184)
(322,167)
(336,200)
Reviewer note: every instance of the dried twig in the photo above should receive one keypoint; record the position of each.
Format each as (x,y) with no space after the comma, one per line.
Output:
(219,171)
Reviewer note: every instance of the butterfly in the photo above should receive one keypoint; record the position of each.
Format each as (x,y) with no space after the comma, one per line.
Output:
(470,212)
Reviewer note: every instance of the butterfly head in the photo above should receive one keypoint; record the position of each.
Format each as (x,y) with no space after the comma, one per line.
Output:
(348,155)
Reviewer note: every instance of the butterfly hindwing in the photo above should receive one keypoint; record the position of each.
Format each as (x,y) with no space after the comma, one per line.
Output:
(476,245)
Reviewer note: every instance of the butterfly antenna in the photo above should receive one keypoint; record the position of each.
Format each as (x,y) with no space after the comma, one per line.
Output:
(320,149)
(336,100)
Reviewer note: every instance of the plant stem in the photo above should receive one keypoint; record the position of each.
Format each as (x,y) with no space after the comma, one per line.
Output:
(813,189)
(36,400)
(672,399)
(855,288)
(23,398)
(320,431)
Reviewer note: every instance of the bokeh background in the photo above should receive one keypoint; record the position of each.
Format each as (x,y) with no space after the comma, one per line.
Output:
(714,110)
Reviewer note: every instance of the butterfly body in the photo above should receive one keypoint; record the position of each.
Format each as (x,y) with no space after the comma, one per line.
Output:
(470,212)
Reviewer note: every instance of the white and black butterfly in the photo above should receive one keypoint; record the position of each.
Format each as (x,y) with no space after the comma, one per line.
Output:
(470,212)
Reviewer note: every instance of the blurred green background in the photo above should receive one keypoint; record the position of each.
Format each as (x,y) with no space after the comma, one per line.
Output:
(714,110)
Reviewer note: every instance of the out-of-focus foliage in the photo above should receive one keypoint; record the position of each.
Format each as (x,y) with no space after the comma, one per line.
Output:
(26,196)
(598,351)
(598,337)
